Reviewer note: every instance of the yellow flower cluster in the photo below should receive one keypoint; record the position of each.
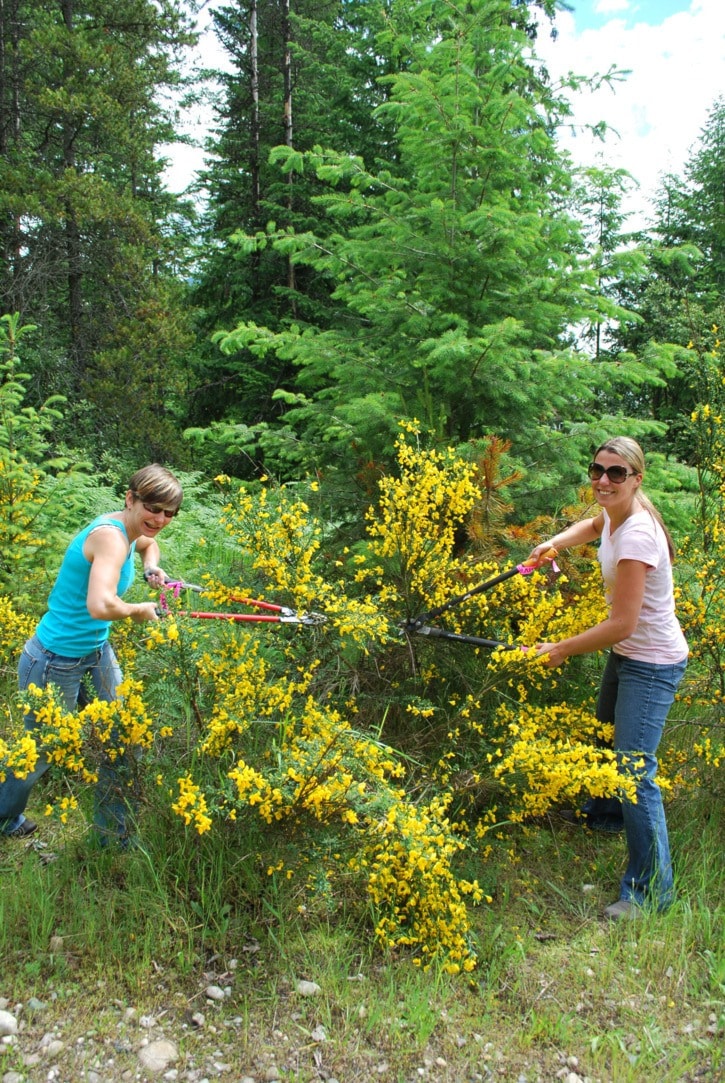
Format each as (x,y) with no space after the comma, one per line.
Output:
(418,901)
(191,805)
(283,542)
(247,692)
(551,756)
(412,529)
(278,531)
(74,740)
(15,628)
(61,810)
(20,756)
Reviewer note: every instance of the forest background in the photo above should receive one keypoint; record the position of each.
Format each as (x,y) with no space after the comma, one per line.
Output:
(379,355)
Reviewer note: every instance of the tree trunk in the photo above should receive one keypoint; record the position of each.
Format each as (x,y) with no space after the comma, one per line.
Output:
(291,283)
(71,230)
(10,300)
(255,134)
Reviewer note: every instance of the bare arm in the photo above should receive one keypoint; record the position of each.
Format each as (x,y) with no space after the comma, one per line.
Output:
(581,533)
(107,550)
(148,550)
(627,598)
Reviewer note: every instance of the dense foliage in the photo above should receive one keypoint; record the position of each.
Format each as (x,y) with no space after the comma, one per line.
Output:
(407,319)
(351,755)
(90,248)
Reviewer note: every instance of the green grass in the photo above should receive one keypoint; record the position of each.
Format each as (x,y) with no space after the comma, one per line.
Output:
(556,990)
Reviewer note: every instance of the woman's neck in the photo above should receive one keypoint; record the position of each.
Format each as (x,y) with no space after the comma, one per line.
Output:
(132,532)
(617,516)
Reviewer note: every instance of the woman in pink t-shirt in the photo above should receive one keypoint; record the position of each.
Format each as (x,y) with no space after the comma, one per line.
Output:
(648,656)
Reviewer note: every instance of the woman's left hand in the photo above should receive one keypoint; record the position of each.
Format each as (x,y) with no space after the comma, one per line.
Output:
(155,577)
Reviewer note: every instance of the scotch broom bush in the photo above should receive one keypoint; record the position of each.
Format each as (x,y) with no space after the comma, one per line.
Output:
(351,759)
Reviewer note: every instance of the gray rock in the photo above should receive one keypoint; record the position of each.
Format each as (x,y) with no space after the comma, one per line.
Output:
(158,1055)
(53,1049)
(8,1023)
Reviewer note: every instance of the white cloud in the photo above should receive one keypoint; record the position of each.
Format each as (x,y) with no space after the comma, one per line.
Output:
(659,111)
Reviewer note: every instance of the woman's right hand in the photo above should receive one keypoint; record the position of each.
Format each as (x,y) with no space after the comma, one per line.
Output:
(541,553)
(145,611)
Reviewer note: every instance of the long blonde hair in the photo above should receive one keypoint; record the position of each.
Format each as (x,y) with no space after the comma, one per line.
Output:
(629,450)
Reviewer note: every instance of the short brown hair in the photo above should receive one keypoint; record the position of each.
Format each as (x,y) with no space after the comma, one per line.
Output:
(155,484)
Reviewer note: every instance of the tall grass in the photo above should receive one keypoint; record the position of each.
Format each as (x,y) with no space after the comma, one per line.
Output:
(555,986)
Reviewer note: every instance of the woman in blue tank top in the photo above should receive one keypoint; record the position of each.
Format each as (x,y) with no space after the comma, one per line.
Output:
(70,648)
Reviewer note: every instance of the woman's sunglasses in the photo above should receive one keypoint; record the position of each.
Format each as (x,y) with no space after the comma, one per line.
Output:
(157,509)
(616,474)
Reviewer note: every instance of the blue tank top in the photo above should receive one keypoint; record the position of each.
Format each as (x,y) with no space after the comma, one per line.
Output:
(67,628)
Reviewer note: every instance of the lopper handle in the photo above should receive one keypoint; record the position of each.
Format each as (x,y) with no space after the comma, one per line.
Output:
(520,569)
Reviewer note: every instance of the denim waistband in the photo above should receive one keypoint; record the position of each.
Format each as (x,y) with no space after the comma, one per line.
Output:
(35,646)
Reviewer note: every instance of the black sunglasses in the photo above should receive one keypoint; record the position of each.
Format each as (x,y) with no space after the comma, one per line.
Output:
(157,509)
(616,474)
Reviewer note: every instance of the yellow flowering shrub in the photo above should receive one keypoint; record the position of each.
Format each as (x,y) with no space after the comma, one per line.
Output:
(15,628)
(701,569)
(331,795)
(287,733)
(419,903)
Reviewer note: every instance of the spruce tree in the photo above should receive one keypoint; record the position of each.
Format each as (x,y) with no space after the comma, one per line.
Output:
(460,270)
(300,74)
(86,227)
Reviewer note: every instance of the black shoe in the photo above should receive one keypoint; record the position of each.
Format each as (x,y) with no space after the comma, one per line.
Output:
(27,827)
(610,825)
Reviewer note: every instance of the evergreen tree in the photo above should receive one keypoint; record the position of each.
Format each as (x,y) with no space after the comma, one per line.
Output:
(301,74)
(618,259)
(459,271)
(85,225)
(681,298)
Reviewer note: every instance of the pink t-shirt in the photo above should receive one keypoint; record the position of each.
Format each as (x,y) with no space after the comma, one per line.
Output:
(658,637)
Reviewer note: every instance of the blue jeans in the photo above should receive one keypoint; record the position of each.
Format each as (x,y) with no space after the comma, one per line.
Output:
(71,677)
(636,697)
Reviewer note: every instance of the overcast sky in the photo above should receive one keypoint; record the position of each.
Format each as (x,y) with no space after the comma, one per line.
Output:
(675,50)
